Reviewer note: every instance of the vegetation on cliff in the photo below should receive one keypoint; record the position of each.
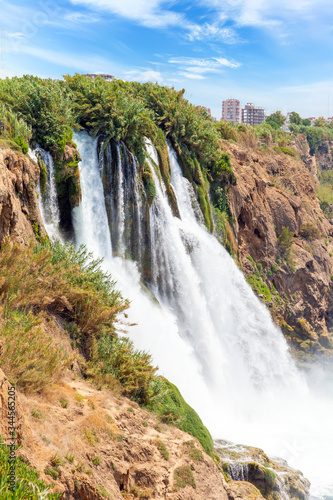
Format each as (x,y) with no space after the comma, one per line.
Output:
(44,286)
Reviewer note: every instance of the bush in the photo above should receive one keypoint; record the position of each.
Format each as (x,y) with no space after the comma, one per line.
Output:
(184,477)
(22,144)
(28,484)
(43,281)
(310,232)
(285,241)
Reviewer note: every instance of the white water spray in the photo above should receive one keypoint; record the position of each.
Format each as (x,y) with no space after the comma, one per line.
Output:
(212,336)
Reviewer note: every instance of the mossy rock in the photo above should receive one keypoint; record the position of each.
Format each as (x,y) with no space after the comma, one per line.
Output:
(43,175)
(149,184)
(173,409)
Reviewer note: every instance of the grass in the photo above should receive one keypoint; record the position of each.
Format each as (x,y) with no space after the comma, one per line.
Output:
(171,407)
(96,460)
(64,402)
(183,477)
(102,491)
(70,457)
(163,450)
(28,485)
(194,453)
(41,282)
(39,415)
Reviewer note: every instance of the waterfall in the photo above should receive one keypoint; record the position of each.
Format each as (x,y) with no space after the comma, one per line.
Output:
(48,202)
(238,472)
(209,334)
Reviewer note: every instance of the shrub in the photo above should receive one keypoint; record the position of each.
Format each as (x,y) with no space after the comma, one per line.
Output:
(184,477)
(195,454)
(28,485)
(310,232)
(22,144)
(285,241)
(163,450)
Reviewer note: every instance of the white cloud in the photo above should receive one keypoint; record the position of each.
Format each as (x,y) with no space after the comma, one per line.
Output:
(200,66)
(192,76)
(79,17)
(17,35)
(145,75)
(146,12)
(270,13)
(211,32)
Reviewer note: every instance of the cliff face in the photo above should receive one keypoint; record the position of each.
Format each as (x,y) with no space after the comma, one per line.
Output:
(20,217)
(284,240)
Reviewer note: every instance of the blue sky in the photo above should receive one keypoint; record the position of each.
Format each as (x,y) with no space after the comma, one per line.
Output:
(275,53)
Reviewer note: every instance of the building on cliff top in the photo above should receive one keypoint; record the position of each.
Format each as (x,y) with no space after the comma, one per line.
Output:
(107,78)
(253,115)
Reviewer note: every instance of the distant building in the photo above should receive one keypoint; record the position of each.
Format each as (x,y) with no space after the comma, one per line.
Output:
(329,120)
(107,78)
(312,120)
(285,126)
(232,111)
(253,115)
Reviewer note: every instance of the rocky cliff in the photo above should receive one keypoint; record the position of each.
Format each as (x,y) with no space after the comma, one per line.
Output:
(20,217)
(284,241)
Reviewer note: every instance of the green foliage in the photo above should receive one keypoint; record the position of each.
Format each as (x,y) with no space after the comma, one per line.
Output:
(112,109)
(149,185)
(295,118)
(259,286)
(325,192)
(222,170)
(276,120)
(117,357)
(184,477)
(163,450)
(167,401)
(285,241)
(306,122)
(45,105)
(43,281)
(287,151)
(43,175)
(309,231)
(320,122)
(28,485)
(21,144)
(194,453)
(15,127)
(314,135)
(64,402)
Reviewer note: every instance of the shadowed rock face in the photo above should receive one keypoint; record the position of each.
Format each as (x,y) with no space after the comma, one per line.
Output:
(276,191)
(20,217)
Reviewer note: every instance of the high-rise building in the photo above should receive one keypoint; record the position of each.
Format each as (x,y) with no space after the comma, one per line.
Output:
(252,114)
(232,111)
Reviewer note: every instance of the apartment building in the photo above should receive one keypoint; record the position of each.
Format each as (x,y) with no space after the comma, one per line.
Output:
(232,111)
(253,115)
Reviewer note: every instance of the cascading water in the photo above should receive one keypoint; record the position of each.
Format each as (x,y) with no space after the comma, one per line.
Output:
(210,335)
(48,201)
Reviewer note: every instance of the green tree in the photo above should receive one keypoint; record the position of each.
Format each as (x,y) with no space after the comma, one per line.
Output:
(295,118)
(320,122)
(306,122)
(276,120)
